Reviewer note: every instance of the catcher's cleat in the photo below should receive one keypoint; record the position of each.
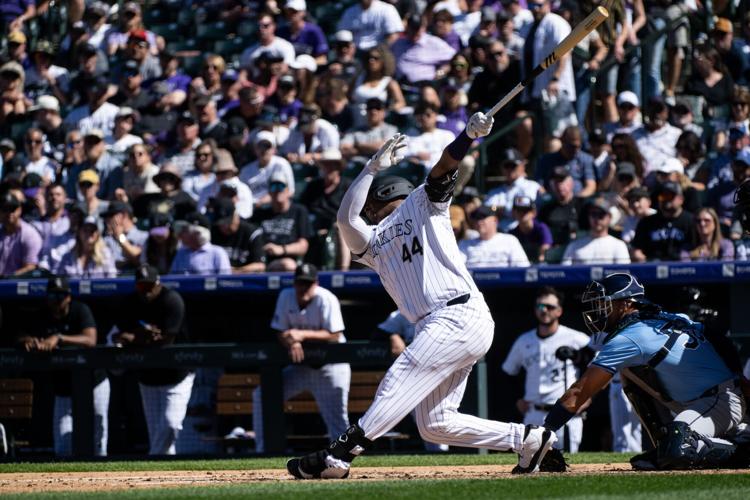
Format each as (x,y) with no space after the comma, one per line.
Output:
(318,465)
(537,441)
(644,461)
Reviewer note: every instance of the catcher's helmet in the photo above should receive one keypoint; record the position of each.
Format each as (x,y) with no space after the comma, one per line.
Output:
(389,187)
(598,297)
(742,204)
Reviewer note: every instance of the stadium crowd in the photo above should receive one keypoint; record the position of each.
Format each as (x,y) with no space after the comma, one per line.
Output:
(219,136)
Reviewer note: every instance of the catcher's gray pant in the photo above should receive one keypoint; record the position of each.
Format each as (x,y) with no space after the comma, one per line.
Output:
(62,422)
(328,384)
(431,375)
(714,416)
(164,407)
(574,427)
(626,426)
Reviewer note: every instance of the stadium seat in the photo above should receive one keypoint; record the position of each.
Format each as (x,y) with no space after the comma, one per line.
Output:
(212,31)
(170,32)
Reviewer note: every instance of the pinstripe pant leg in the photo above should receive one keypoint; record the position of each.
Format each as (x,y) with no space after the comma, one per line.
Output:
(165,408)
(439,421)
(331,391)
(437,363)
(101,417)
(153,407)
(62,426)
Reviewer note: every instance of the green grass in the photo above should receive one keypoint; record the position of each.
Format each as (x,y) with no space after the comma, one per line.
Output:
(610,487)
(278,463)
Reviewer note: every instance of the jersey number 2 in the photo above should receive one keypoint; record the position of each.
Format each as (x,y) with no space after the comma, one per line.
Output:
(415,249)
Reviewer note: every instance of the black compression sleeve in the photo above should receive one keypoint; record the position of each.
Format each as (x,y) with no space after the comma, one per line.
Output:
(460,146)
(557,417)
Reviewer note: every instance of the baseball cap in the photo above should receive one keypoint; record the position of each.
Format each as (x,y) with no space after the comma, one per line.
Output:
(16,36)
(31,184)
(58,284)
(482,212)
(560,172)
(224,162)
(229,75)
(146,274)
(627,97)
(278,177)
(331,155)
(286,81)
(95,132)
(523,203)
(600,203)
(159,224)
(737,133)
(304,61)
(236,127)
(130,68)
(45,47)
(343,36)
(125,111)
(9,202)
(88,175)
(132,7)
(306,272)
(637,193)
(99,8)
(488,15)
(221,210)
(168,171)
(671,165)
(414,22)
(449,7)
(87,50)
(187,117)
(375,103)
(511,155)
(298,5)
(137,35)
(671,187)
(271,55)
(201,101)
(46,102)
(625,168)
(118,207)
(7,144)
(722,25)
(90,220)
(13,67)
(197,219)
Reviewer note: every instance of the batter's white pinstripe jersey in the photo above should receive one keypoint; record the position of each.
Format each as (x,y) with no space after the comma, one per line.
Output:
(322,313)
(545,381)
(414,252)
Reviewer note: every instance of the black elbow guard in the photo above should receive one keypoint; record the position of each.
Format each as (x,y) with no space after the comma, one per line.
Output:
(440,189)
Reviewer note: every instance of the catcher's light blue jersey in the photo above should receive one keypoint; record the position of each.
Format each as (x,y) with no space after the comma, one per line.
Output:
(691,367)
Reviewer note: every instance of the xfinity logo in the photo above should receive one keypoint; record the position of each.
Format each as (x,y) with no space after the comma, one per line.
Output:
(194,357)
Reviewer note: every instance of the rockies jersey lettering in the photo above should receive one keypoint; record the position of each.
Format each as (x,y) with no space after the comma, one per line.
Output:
(414,252)
(545,377)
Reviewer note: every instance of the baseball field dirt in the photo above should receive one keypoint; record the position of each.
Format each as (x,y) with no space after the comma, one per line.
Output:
(109,481)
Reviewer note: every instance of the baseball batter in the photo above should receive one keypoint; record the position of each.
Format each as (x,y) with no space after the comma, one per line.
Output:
(682,388)
(546,375)
(305,314)
(410,244)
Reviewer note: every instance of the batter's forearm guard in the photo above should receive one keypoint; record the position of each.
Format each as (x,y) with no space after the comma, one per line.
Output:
(440,189)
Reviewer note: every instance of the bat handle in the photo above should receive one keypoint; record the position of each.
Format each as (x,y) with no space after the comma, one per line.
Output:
(505,100)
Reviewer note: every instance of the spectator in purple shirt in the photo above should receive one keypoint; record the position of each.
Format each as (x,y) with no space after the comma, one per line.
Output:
(534,235)
(20,243)
(285,100)
(13,13)
(197,254)
(452,110)
(710,245)
(442,26)
(306,37)
(420,56)
(89,257)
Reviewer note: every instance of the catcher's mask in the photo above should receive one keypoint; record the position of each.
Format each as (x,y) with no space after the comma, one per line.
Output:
(598,297)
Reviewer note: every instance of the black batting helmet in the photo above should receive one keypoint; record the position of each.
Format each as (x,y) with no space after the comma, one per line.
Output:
(389,187)
(742,204)
(598,297)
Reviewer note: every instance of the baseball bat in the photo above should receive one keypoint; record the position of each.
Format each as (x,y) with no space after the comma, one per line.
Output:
(583,28)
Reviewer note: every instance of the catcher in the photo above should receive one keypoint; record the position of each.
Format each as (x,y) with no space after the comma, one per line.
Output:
(683,380)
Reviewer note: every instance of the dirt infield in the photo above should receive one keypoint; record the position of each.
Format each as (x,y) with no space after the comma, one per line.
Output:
(108,481)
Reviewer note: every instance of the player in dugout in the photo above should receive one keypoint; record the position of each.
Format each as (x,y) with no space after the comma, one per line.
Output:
(683,379)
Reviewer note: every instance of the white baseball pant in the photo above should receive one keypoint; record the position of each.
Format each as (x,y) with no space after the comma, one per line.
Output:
(164,407)
(328,384)
(62,422)
(431,375)
(574,427)
(714,416)
(626,426)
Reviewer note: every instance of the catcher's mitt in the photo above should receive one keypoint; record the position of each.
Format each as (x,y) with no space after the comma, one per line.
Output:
(553,461)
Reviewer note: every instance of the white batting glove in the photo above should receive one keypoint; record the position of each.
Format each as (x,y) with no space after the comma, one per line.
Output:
(389,154)
(479,125)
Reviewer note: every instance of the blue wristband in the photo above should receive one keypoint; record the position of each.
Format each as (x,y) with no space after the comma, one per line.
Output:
(460,146)
(557,417)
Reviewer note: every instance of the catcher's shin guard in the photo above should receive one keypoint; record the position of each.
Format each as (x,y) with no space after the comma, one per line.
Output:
(682,448)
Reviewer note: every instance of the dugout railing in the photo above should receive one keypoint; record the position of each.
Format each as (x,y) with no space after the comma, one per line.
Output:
(250,298)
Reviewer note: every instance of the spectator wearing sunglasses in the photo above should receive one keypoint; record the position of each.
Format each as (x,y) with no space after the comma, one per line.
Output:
(37,162)
(598,246)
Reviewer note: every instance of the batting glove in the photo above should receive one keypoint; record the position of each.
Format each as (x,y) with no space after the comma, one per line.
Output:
(479,125)
(389,154)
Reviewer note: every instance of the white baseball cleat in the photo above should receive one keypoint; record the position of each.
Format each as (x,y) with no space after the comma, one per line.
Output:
(537,441)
